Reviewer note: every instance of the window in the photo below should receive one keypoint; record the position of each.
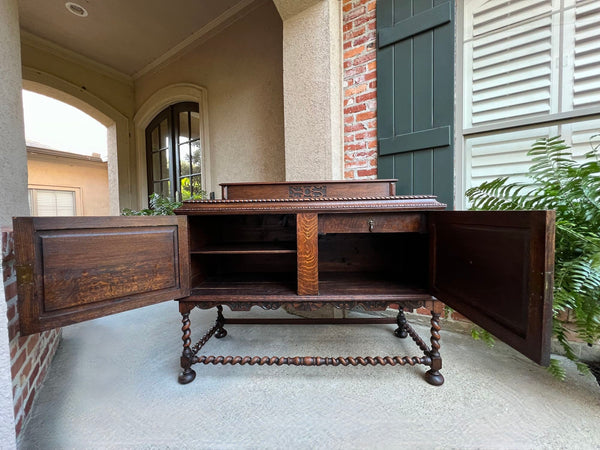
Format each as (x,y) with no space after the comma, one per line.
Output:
(531,69)
(174,152)
(47,202)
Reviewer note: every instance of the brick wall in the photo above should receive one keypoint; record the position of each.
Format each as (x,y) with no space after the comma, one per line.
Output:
(360,89)
(30,356)
(360,100)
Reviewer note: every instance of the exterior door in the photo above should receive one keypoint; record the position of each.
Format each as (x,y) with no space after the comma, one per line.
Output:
(496,268)
(415,95)
(174,152)
(80,268)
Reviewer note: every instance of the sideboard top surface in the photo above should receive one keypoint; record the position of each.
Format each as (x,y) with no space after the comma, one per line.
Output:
(291,197)
(319,204)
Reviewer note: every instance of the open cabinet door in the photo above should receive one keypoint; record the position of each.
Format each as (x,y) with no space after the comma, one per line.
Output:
(72,269)
(496,268)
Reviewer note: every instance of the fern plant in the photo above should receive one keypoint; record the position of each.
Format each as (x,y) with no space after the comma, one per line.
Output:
(159,206)
(571,188)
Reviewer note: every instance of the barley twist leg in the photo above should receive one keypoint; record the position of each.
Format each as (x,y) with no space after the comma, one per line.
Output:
(221,332)
(187,375)
(433,376)
(401,332)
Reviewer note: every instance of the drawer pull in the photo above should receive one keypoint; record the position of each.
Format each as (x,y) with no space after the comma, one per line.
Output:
(371,223)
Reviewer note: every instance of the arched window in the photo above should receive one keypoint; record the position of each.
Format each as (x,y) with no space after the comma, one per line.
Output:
(174,152)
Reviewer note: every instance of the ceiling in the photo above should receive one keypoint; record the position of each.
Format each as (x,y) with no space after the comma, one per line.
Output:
(124,35)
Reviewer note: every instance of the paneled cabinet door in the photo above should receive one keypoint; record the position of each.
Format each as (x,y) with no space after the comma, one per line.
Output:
(72,269)
(496,268)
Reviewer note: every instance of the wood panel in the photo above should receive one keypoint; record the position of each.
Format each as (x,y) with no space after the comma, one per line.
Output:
(89,266)
(75,269)
(496,268)
(308,189)
(308,253)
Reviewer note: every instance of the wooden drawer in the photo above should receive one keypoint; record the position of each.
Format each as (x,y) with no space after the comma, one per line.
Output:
(372,223)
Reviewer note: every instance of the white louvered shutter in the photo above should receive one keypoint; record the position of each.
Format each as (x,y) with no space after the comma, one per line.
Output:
(527,59)
(509,54)
(501,155)
(577,135)
(582,55)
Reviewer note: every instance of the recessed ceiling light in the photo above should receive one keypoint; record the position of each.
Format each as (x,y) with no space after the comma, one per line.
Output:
(76,9)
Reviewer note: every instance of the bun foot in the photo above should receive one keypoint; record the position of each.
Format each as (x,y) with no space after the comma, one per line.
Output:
(434,377)
(186,376)
(221,333)
(400,333)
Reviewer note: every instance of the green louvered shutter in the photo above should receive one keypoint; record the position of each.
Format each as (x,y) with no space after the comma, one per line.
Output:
(415,95)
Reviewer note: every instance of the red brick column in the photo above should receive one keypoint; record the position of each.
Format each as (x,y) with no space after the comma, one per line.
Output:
(360,89)
(30,356)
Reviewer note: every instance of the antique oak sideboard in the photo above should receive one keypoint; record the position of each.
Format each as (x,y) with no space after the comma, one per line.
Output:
(306,245)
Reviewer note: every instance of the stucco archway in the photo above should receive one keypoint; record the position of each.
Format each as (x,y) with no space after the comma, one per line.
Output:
(169,95)
(116,123)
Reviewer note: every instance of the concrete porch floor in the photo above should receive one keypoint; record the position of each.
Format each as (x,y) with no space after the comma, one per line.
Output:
(113,384)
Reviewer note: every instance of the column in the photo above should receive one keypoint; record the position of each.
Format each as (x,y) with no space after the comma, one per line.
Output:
(13,183)
(312,80)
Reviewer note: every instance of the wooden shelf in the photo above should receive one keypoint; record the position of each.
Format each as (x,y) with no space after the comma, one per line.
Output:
(247,248)
(365,284)
(247,284)
(363,287)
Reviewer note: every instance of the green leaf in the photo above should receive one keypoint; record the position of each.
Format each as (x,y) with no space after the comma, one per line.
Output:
(557,370)
(483,335)
(583,368)
(447,312)
(159,206)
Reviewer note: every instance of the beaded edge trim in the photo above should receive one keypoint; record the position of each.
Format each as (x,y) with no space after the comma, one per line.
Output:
(311,199)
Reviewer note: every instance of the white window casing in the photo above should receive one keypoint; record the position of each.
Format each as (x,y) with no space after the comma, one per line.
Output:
(50,202)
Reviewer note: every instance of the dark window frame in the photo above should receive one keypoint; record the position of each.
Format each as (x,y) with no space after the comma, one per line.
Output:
(171,115)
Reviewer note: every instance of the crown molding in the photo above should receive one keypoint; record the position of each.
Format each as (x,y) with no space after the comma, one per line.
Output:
(32,40)
(221,22)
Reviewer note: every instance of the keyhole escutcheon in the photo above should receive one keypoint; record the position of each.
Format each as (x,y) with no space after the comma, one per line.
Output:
(371,223)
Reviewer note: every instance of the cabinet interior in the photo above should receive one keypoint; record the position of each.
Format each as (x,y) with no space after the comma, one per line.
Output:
(373,262)
(257,254)
(243,250)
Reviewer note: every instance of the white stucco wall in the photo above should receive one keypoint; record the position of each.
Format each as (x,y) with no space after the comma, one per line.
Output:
(13,184)
(13,156)
(312,80)
(241,70)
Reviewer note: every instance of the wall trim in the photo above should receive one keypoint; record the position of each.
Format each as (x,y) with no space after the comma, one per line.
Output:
(169,95)
(50,47)
(216,25)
